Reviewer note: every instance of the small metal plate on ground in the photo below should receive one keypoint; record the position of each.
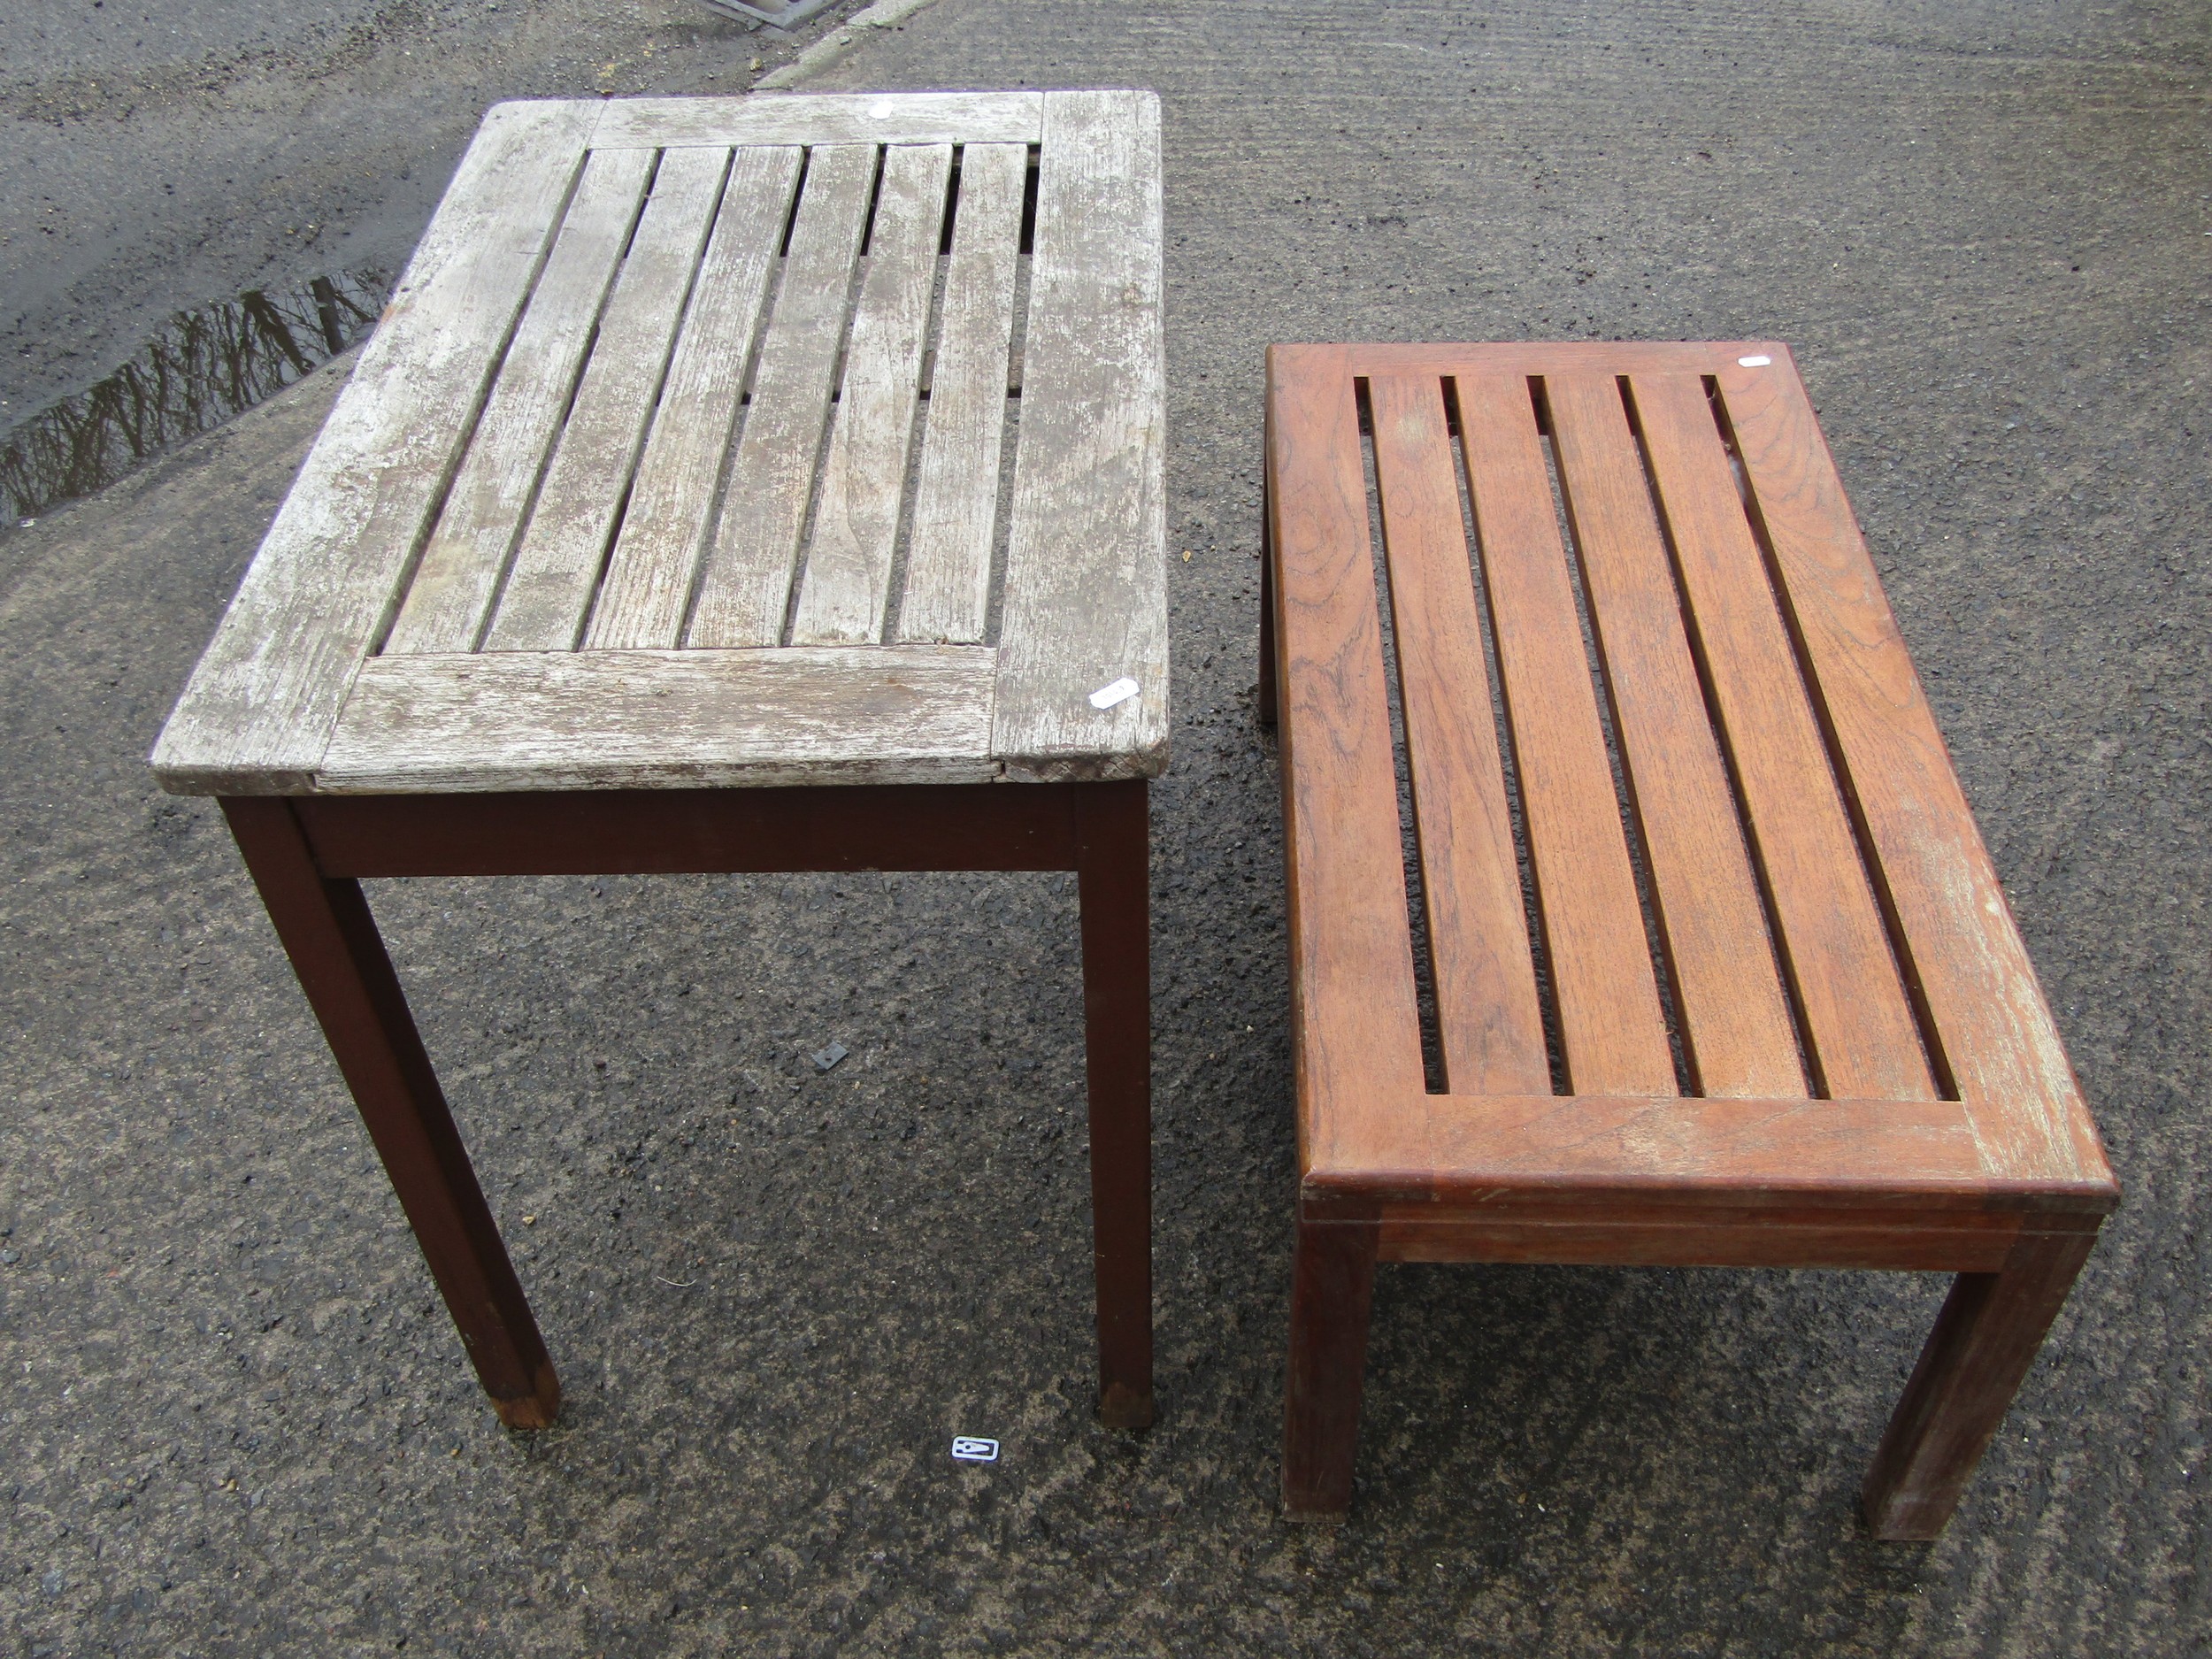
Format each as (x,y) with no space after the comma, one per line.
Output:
(969,1448)
(777,14)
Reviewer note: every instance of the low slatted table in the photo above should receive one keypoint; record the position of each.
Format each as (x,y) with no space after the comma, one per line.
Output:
(1682,946)
(760,484)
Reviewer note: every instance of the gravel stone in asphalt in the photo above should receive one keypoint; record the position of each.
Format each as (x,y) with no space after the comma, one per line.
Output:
(235,1419)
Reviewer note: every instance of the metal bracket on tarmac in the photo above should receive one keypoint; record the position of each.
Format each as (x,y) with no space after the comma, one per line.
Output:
(777,14)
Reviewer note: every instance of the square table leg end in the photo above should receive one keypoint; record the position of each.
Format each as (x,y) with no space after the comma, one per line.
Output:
(1264,694)
(1113,842)
(1333,1287)
(327,929)
(1986,1336)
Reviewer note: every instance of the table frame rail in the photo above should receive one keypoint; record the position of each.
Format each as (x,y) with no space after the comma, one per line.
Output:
(307,855)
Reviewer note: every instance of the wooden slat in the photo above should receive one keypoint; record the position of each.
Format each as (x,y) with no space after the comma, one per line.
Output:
(1356,1033)
(1955,1209)
(1085,599)
(660,719)
(556,568)
(1611,1027)
(948,592)
(1537,357)
(648,585)
(1493,1150)
(748,581)
(1878,1243)
(846,587)
(1736,1023)
(1490,1023)
(873,118)
(1980,988)
(1654,1146)
(1832,942)
(452,590)
(260,706)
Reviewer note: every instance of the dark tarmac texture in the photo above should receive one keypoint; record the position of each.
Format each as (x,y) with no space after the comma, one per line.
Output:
(166,155)
(236,1421)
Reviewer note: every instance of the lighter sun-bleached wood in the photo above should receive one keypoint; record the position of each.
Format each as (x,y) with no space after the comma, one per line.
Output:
(747,586)
(871,117)
(558,564)
(649,578)
(666,719)
(588,440)
(1086,600)
(452,590)
(846,586)
(260,707)
(955,499)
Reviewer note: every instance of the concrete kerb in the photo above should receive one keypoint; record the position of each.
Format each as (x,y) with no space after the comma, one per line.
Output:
(883,15)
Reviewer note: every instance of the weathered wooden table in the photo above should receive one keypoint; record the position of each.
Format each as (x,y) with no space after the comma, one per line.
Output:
(1681,946)
(761,484)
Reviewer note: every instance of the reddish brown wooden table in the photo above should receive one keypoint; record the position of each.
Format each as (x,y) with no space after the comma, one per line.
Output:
(1637,916)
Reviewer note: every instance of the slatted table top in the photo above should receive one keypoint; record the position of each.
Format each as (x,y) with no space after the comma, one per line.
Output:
(723,441)
(1702,905)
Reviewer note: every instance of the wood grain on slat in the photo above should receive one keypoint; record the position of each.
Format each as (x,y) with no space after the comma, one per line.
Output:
(1950,1207)
(948,592)
(1537,357)
(846,586)
(1484,1149)
(1879,1244)
(1736,1022)
(260,706)
(872,118)
(1356,1038)
(1979,985)
(648,585)
(1786,1145)
(747,587)
(1611,1025)
(556,568)
(460,569)
(1086,599)
(1491,1026)
(661,719)
(1832,942)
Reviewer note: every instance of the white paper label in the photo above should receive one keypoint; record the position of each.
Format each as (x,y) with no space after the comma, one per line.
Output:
(1120,691)
(1753,363)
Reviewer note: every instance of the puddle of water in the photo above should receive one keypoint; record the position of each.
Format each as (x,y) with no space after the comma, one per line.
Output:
(204,367)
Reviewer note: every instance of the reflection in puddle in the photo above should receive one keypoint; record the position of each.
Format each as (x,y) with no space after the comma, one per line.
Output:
(204,367)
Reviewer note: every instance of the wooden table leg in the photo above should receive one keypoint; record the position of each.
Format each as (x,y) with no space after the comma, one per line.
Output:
(1113,878)
(1984,1339)
(1333,1289)
(1264,699)
(327,929)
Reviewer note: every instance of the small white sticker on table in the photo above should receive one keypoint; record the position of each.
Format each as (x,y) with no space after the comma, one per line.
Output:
(971,1449)
(1120,691)
(1752,362)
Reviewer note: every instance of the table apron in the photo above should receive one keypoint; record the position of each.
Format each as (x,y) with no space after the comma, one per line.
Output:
(666,832)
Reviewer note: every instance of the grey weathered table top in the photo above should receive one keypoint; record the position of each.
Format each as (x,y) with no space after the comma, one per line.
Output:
(731,440)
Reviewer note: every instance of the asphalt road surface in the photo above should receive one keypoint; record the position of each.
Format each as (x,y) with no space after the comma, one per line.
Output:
(162,154)
(233,1419)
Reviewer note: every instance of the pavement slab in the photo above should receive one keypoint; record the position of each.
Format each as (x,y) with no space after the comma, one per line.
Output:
(237,1421)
